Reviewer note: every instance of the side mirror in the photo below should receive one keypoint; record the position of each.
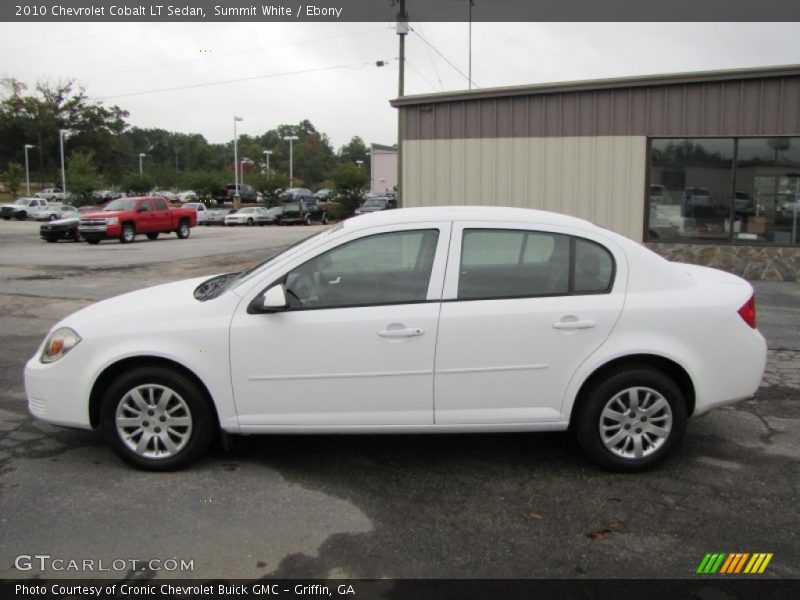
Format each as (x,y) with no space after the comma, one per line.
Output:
(274,298)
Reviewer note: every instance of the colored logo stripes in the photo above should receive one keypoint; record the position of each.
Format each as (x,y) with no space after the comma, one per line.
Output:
(734,563)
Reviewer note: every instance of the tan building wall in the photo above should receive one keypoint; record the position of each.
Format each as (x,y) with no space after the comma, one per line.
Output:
(598,178)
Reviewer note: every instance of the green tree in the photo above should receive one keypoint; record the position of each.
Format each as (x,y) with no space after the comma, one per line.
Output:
(12,177)
(350,181)
(36,118)
(354,151)
(205,183)
(267,183)
(82,177)
(137,184)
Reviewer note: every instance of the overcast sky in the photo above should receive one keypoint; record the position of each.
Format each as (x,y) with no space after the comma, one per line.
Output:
(326,72)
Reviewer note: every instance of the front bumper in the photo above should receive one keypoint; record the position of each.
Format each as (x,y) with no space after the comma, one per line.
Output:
(54,394)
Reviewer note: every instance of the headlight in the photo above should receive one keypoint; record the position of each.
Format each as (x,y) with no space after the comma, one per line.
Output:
(58,343)
(112,221)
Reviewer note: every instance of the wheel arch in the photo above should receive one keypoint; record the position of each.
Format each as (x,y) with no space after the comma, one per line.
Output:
(667,366)
(108,375)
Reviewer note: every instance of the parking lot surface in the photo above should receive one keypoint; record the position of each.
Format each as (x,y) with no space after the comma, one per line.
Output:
(512,505)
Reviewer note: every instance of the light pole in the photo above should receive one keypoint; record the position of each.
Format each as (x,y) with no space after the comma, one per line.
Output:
(141,156)
(27,172)
(62,133)
(290,139)
(267,153)
(236,161)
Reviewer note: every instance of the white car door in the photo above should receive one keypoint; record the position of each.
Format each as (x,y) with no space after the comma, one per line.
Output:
(521,310)
(355,347)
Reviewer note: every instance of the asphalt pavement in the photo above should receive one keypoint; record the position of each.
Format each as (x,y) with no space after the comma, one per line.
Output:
(465,506)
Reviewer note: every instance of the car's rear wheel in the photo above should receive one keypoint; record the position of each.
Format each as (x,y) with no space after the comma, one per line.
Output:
(52,217)
(631,419)
(157,419)
(152,235)
(307,220)
(249,222)
(128,234)
(22,215)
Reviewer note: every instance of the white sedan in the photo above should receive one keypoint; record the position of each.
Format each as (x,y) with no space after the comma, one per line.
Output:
(406,321)
(252,215)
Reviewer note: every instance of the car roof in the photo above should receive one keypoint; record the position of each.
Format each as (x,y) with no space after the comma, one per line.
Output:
(466,213)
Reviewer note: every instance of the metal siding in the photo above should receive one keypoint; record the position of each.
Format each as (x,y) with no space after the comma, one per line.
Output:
(599,178)
(755,106)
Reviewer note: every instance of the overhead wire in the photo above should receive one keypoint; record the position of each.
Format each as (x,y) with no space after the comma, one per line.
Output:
(447,60)
(239,80)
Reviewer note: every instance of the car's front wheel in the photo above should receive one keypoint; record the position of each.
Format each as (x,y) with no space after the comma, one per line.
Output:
(157,419)
(128,234)
(631,419)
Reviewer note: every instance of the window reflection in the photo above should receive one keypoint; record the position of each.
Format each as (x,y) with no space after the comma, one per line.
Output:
(690,191)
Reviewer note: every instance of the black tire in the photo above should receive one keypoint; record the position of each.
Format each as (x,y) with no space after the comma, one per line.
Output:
(587,418)
(183,230)
(249,222)
(50,240)
(76,236)
(153,235)
(190,400)
(6,218)
(22,215)
(128,234)
(324,218)
(307,220)
(52,217)
(93,242)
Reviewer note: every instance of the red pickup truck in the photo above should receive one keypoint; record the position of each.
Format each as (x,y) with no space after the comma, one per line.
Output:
(125,218)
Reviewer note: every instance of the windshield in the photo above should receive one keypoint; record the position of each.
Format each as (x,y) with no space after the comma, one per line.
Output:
(121,204)
(22,201)
(375,203)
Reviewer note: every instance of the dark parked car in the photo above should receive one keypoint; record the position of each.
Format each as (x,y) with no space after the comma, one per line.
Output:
(61,229)
(295,194)
(247,193)
(377,203)
(303,211)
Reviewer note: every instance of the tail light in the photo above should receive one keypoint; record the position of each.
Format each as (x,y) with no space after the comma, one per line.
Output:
(748,311)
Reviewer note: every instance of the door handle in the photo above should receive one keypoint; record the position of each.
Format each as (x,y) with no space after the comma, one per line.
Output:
(574,324)
(404,332)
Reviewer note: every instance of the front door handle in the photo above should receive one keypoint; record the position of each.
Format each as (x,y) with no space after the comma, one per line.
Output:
(401,332)
(574,323)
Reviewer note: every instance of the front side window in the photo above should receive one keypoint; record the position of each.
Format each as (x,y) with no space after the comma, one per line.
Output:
(387,268)
(507,263)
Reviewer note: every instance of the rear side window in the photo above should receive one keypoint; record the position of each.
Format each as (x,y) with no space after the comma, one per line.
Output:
(506,263)
(594,267)
(160,204)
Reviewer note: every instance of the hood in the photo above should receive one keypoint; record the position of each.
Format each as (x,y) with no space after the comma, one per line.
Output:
(102,214)
(164,300)
(64,221)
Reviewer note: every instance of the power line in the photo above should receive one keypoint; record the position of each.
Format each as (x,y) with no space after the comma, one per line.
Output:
(435,69)
(447,60)
(238,80)
(79,39)
(418,72)
(232,54)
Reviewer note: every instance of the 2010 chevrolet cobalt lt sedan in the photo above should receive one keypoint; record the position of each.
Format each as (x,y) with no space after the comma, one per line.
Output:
(449,319)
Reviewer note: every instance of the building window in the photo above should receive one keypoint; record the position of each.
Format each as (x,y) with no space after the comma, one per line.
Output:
(691,187)
(767,190)
(724,189)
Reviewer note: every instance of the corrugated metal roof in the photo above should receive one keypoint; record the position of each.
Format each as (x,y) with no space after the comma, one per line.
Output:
(601,84)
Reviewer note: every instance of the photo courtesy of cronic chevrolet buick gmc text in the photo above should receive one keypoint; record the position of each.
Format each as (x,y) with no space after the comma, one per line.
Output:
(451,319)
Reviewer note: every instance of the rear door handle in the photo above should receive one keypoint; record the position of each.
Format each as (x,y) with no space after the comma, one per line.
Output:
(404,332)
(576,324)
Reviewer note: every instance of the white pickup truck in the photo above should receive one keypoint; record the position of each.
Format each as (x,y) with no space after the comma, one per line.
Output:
(24,208)
(202,211)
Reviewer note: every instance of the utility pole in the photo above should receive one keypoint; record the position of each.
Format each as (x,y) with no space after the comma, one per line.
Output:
(402,31)
(469,73)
